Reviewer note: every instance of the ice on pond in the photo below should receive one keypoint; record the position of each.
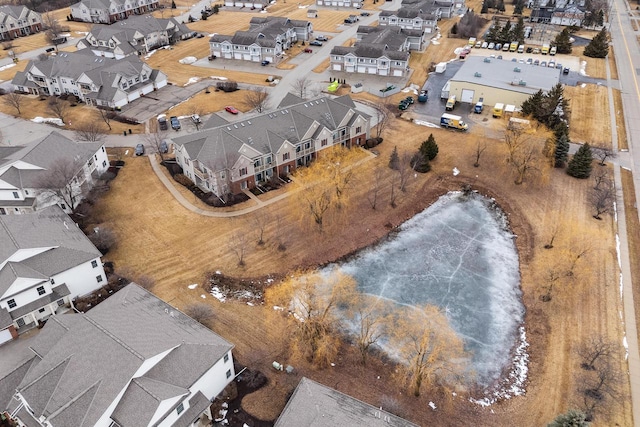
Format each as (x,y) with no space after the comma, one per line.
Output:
(457,254)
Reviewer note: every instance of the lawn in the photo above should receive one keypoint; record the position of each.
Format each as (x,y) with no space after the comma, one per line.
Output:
(142,211)
(633,235)
(596,67)
(590,120)
(207,103)
(623,144)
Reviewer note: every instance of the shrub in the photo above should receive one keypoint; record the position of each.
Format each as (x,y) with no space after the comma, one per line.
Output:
(182,179)
(420,163)
(227,86)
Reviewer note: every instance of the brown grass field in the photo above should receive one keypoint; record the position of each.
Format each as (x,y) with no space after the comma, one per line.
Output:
(623,144)
(207,103)
(633,235)
(612,64)
(595,66)
(142,212)
(589,108)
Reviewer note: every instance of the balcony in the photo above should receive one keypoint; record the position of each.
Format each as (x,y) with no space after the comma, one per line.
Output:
(200,174)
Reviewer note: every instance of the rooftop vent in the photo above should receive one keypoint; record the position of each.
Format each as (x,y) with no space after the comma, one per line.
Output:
(487,59)
(477,75)
(522,83)
(517,70)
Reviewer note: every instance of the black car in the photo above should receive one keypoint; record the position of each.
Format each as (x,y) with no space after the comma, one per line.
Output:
(315,43)
(264,63)
(162,123)
(529,49)
(565,70)
(175,123)
(409,100)
(365,13)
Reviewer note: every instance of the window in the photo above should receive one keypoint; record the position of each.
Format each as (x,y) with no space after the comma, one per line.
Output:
(41,310)
(60,302)
(3,211)
(226,358)
(53,282)
(12,303)
(359,129)
(15,195)
(257,163)
(104,163)
(180,408)
(228,373)
(243,171)
(285,157)
(99,278)
(307,145)
(41,290)
(20,322)
(323,142)
(94,263)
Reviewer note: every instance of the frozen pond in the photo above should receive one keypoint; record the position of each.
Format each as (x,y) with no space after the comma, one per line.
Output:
(459,255)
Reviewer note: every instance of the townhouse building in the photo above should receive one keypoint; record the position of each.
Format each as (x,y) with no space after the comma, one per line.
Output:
(18,21)
(110,11)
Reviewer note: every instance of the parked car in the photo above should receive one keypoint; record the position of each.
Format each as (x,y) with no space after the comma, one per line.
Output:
(164,147)
(536,62)
(322,38)
(565,70)
(536,50)
(552,64)
(307,50)
(403,105)
(543,64)
(498,46)
(365,14)
(195,118)
(484,45)
(175,123)
(529,61)
(230,109)
(409,100)
(529,49)
(315,43)
(478,44)
(492,45)
(139,150)
(559,66)
(265,63)
(162,123)
(499,56)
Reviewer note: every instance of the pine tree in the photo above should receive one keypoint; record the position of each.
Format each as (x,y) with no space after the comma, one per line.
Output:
(485,8)
(429,148)
(454,28)
(599,45)
(420,163)
(173,4)
(505,33)
(519,7)
(563,42)
(533,105)
(572,418)
(600,18)
(580,164)
(518,31)
(493,35)
(500,6)
(394,159)
(561,151)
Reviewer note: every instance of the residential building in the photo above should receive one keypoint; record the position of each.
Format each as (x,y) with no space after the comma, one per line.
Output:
(110,11)
(315,405)
(233,157)
(45,262)
(30,174)
(422,16)
(248,4)
(103,82)
(18,21)
(382,50)
(266,39)
(341,3)
(560,12)
(131,361)
(572,15)
(500,81)
(137,35)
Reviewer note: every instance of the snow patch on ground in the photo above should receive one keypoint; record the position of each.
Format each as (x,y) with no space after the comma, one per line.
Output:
(456,171)
(583,68)
(6,67)
(218,78)
(277,308)
(432,406)
(203,296)
(583,85)
(52,120)
(625,344)
(82,33)
(427,124)
(619,263)
(188,60)
(191,81)
(195,285)
(215,291)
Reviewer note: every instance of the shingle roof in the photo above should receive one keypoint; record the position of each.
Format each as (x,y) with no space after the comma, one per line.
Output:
(315,405)
(88,359)
(140,401)
(366,50)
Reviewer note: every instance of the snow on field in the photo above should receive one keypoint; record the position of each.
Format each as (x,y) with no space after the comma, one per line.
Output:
(583,68)
(192,80)
(217,293)
(457,254)
(195,285)
(218,78)
(188,60)
(52,120)
(427,124)
(6,67)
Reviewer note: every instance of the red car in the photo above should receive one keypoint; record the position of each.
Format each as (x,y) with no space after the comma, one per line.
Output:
(307,50)
(231,109)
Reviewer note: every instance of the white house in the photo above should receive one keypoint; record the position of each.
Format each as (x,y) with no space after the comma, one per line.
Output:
(18,21)
(45,262)
(134,36)
(110,11)
(340,3)
(29,174)
(132,361)
(105,82)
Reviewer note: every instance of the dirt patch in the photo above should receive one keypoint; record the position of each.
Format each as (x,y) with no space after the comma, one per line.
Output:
(621,127)
(633,235)
(589,106)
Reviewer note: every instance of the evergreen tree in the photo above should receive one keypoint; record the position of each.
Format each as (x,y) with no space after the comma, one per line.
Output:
(563,42)
(429,148)
(561,151)
(420,163)
(580,164)
(599,45)
(454,28)
(500,6)
(505,33)
(518,31)
(173,4)
(572,418)
(600,18)
(394,159)
(555,107)
(485,8)
(519,7)
(493,35)
(533,105)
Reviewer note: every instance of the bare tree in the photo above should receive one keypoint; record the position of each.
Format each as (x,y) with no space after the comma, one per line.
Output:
(601,177)
(154,137)
(369,316)
(14,100)
(147,282)
(603,153)
(58,107)
(261,220)
(597,349)
(90,131)
(602,199)
(257,99)
(300,86)
(383,116)
(59,182)
(555,229)
(238,244)
(199,311)
(105,115)
(103,237)
(600,390)
(376,185)
(393,195)
(52,26)
(481,145)
(404,172)
(524,156)
(195,110)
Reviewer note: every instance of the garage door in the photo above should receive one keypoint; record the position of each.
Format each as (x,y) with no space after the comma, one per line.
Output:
(336,67)
(5,336)
(467,96)
(362,69)
(397,72)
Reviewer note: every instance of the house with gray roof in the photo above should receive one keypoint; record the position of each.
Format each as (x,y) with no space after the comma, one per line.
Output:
(232,157)
(315,405)
(103,82)
(247,4)
(137,35)
(357,4)
(131,361)
(51,170)
(378,50)
(45,262)
(423,16)
(110,11)
(267,38)
(17,21)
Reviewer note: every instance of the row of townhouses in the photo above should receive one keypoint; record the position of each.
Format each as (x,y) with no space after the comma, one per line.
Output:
(137,35)
(30,173)
(110,11)
(103,82)
(248,4)
(18,21)
(231,157)
(266,39)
